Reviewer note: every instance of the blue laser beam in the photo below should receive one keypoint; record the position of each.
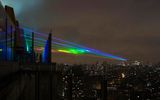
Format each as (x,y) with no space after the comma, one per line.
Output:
(90,50)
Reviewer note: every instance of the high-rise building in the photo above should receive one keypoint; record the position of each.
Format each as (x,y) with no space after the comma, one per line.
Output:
(14,45)
(46,57)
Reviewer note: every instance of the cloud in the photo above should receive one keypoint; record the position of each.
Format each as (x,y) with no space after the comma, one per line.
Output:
(21,5)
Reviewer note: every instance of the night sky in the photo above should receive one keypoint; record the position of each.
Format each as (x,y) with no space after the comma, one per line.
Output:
(127,28)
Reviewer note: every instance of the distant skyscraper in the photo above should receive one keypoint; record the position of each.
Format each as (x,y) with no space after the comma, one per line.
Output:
(47,53)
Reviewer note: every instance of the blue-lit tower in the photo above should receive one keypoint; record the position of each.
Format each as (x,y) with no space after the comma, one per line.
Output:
(47,53)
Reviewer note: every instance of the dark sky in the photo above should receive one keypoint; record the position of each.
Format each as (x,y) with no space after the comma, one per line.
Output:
(128,28)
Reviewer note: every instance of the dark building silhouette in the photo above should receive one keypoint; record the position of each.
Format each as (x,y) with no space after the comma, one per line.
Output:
(47,50)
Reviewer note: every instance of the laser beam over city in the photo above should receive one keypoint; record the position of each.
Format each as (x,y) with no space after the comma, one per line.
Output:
(71,47)
(79,50)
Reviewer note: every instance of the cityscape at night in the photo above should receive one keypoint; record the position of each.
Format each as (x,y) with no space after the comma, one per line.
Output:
(79,50)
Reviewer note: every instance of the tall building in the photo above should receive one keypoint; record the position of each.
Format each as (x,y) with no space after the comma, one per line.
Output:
(6,30)
(47,53)
(15,44)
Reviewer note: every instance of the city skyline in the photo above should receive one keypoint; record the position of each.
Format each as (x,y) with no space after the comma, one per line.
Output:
(79,50)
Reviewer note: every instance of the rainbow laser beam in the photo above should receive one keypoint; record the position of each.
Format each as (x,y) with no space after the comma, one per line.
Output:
(67,46)
(77,46)
(73,51)
(67,50)
(57,43)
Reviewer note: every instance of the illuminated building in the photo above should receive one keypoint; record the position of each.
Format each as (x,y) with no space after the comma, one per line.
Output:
(46,57)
